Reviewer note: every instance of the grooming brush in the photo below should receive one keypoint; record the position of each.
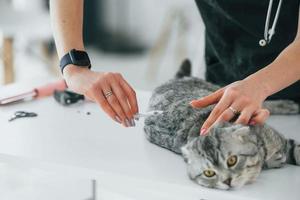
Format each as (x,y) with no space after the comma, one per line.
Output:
(147,114)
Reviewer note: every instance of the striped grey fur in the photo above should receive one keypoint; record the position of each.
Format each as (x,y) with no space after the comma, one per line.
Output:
(177,129)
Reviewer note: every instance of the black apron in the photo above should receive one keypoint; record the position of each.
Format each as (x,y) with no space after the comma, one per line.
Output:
(233,31)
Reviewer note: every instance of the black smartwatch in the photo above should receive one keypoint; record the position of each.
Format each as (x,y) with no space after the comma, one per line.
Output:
(75,57)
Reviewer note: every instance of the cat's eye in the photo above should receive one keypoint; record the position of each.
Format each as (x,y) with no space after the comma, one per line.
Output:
(209,173)
(231,161)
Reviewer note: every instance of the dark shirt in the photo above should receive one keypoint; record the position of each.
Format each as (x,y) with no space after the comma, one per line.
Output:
(233,31)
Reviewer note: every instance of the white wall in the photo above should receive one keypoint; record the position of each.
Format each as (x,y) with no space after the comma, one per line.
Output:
(146,20)
(147,17)
(29,5)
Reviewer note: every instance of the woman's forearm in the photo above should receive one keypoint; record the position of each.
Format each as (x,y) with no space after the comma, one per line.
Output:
(247,96)
(67,22)
(282,72)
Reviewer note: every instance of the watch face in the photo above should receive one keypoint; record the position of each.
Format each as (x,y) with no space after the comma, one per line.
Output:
(79,58)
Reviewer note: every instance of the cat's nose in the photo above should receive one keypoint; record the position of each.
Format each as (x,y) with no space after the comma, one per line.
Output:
(228,181)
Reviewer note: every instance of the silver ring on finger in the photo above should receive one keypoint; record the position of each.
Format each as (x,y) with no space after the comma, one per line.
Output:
(108,94)
(234,111)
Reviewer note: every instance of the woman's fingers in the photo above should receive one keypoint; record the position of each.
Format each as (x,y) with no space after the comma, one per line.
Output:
(114,102)
(130,94)
(226,116)
(123,101)
(208,100)
(106,89)
(103,103)
(117,98)
(241,100)
(214,115)
(260,117)
(245,116)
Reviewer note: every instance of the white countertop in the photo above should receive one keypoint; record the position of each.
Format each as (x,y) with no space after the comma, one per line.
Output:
(122,158)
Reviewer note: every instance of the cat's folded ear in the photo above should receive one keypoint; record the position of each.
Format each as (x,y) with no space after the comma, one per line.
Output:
(186,152)
(239,132)
(247,139)
(244,135)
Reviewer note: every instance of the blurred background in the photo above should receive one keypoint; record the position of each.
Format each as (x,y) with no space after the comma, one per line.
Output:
(144,40)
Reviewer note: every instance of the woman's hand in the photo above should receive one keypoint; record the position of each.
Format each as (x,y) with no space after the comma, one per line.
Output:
(109,90)
(243,98)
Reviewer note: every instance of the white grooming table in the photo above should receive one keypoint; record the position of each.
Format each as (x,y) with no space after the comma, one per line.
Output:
(67,140)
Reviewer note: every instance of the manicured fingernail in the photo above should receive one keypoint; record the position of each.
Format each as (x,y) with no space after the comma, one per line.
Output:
(252,123)
(127,123)
(192,102)
(203,131)
(118,119)
(132,122)
(124,124)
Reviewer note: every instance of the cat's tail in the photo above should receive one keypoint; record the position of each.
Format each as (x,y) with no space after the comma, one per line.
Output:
(293,152)
(185,69)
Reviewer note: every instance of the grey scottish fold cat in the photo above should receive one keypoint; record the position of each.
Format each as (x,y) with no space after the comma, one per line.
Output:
(231,155)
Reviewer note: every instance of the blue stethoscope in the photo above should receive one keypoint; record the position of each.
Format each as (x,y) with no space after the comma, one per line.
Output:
(269,33)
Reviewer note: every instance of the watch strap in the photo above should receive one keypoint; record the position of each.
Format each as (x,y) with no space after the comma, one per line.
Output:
(67,60)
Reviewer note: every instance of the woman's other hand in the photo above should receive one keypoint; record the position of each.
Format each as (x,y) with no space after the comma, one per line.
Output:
(109,90)
(241,99)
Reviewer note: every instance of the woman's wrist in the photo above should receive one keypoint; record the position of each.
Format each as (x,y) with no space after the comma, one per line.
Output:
(72,70)
(74,76)
(259,86)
